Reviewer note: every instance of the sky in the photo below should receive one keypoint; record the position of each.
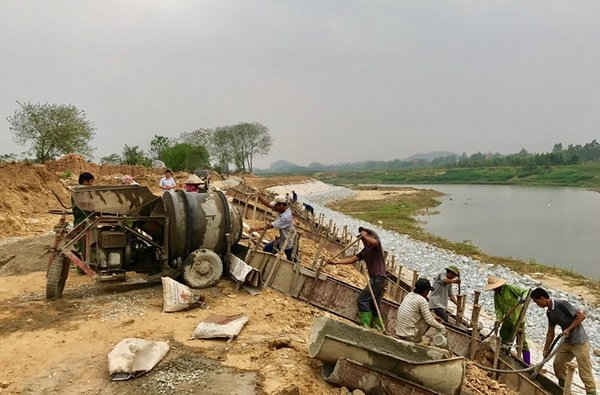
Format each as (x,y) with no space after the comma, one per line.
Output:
(335,81)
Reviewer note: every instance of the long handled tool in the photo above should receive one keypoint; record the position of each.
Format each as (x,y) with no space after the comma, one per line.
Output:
(322,263)
(374,299)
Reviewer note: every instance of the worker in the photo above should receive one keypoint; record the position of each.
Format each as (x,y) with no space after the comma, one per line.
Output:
(294,197)
(507,299)
(86,179)
(285,224)
(168,182)
(575,343)
(372,255)
(414,316)
(193,183)
(442,291)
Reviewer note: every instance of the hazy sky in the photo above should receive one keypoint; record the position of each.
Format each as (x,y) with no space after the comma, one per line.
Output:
(333,80)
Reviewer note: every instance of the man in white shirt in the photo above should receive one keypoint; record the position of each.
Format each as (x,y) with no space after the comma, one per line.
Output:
(414,316)
(167,182)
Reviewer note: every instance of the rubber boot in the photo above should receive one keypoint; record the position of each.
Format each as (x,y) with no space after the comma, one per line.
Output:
(377,323)
(526,357)
(365,317)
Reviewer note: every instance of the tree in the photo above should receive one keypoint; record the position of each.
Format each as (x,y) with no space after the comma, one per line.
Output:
(51,129)
(197,137)
(157,145)
(184,156)
(112,159)
(133,155)
(221,147)
(248,141)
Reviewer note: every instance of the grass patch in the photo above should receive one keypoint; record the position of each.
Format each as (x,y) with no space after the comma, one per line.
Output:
(398,213)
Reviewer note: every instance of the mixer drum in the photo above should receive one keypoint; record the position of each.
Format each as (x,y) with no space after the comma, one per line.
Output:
(200,221)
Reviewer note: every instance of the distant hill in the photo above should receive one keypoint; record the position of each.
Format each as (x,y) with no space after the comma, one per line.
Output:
(417,160)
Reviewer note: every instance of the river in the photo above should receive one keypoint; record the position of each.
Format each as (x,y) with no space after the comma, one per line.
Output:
(553,226)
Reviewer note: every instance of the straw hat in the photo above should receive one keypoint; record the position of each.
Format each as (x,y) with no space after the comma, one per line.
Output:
(453,269)
(193,179)
(494,282)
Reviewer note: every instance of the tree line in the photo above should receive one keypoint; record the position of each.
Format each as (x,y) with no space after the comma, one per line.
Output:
(51,130)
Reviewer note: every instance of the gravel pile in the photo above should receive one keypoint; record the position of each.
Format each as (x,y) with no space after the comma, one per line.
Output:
(429,260)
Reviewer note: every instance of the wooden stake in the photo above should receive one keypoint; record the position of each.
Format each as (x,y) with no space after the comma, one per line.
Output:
(476,295)
(475,332)
(415,278)
(459,309)
(254,209)
(497,354)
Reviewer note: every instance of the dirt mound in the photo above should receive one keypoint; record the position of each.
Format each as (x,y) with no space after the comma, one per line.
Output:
(28,192)
(24,255)
(75,164)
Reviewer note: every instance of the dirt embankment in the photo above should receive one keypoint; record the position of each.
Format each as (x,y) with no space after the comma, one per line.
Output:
(30,190)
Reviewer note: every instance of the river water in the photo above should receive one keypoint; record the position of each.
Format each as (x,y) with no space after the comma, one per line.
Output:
(551,225)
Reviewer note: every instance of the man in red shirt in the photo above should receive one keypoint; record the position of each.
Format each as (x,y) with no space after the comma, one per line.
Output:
(372,255)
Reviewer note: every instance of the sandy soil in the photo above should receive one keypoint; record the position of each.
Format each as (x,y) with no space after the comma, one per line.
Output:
(75,334)
(380,194)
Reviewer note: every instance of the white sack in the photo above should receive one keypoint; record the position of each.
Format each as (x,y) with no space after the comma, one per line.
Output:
(176,296)
(238,268)
(220,326)
(133,357)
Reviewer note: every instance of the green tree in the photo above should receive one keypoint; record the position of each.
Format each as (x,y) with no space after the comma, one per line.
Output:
(221,147)
(133,155)
(248,141)
(186,157)
(51,129)
(112,159)
(157,145)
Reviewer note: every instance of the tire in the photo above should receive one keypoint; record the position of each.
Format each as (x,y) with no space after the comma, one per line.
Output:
(57,277)
(202,269)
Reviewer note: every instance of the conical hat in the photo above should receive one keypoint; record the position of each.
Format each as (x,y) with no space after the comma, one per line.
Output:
(193,179)
(494,282)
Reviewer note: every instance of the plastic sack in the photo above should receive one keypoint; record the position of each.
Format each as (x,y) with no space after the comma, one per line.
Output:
(133,357)
(177,297)
(219,326)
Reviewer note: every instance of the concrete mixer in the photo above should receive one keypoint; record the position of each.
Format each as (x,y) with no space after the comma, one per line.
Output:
(127,228)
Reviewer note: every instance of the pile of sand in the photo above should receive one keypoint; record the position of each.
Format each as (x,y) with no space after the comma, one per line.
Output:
(478,382)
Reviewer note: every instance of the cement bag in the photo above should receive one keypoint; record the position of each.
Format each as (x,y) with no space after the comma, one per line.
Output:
(177,297)
(133,357)
(215,326)
(238,268)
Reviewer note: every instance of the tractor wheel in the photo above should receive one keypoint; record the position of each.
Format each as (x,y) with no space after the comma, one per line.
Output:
(57,277)
(202,269)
